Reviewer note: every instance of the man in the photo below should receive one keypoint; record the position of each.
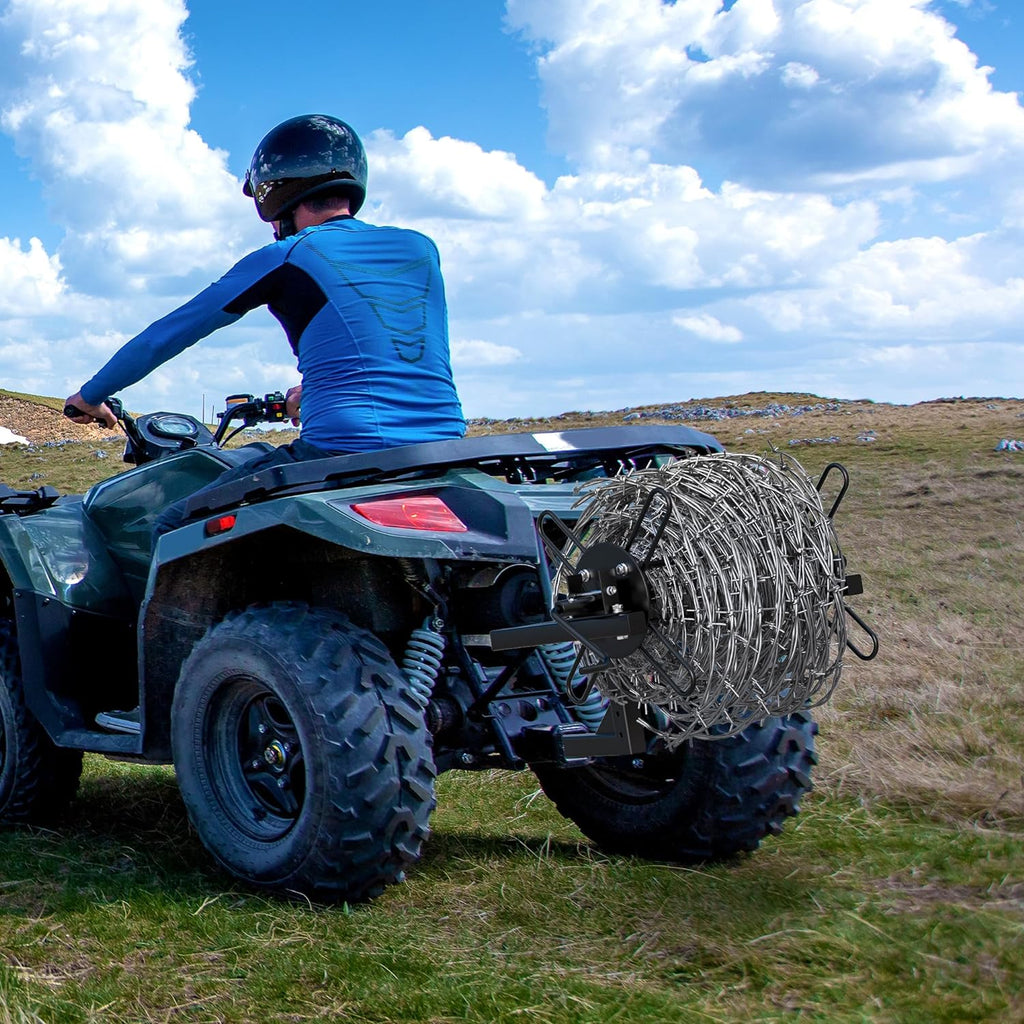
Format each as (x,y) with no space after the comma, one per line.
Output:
(363,307)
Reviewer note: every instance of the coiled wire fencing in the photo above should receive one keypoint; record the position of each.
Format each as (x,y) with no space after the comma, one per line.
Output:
(747,582)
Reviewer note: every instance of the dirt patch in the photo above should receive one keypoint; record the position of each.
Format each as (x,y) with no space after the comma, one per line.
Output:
(39,423)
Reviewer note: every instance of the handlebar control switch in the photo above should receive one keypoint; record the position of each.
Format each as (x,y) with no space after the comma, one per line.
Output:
(274,407)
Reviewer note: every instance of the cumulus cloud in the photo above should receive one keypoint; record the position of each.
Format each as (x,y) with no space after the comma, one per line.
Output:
(452,178)
(769,92)
(470,353)
(96,97)
(30,279)
(735,216)
(599,239)
(921,288)
(704,325)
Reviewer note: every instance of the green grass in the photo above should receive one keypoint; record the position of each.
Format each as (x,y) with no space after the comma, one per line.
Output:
(71,468)
(896,896)
(49,402)
(856,913)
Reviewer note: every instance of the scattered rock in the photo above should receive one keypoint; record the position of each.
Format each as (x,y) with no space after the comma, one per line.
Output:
(714,413)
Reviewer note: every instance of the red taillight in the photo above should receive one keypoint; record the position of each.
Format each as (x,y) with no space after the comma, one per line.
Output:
(220,524)
(419,512)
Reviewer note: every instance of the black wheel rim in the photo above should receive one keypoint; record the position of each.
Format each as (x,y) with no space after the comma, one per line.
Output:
(255,758)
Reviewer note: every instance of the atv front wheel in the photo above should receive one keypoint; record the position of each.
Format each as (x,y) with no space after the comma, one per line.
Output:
(302,757)
(706,800)
(37,779)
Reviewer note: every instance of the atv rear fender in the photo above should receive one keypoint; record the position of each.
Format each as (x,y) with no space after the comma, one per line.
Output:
(291,533)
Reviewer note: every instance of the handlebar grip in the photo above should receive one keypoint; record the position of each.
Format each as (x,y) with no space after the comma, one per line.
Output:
(71,411)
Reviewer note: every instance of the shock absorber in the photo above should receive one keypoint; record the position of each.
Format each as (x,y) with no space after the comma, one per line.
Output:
(421,662)
(559,659)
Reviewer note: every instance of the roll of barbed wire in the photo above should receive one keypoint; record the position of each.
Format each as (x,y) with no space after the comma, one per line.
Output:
(746,579)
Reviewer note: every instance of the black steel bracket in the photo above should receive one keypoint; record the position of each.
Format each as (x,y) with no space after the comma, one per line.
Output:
(620,734)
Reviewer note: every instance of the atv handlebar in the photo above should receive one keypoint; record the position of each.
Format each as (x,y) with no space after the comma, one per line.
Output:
(158,434)
(250,410)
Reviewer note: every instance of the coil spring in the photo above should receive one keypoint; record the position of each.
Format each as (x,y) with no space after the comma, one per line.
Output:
(421,662)
(560,659)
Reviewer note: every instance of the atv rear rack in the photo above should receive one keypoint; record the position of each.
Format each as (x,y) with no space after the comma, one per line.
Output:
(518,457)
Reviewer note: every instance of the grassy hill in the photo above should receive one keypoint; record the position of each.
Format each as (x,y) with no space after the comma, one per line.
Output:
(898,895)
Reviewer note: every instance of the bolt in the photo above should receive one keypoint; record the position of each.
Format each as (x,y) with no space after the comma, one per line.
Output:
(437,624)
(275,754)
(585,575)
(466,757)
(282,783)
(254,763)
(637,762)
(261,728)
(611,591)
(621,569)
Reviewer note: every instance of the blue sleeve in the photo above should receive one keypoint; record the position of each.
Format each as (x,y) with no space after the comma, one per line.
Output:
(186,325)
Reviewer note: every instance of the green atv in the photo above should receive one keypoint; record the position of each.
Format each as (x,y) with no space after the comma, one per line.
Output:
(320,640)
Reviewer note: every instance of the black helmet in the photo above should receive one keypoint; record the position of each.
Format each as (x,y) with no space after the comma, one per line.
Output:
(304,156)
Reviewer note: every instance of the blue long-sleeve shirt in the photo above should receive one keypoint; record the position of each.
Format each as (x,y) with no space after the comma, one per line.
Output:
(364,310)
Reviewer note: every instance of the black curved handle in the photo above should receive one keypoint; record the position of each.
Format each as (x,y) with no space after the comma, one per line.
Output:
(867,629)
(842,490)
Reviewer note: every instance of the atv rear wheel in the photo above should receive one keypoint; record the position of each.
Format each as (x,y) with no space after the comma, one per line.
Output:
(302,757)
(708,799)
(37,779)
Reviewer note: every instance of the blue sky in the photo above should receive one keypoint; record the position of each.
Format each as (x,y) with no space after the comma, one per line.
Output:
(634,201)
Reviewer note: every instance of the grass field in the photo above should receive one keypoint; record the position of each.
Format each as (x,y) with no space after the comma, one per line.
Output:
(896,896)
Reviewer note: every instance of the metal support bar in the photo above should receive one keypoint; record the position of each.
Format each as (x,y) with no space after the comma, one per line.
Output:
(595,628)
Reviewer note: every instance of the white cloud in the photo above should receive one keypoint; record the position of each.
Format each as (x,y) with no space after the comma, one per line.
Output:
(800,76)
(922,288)
(447,177)
(770,92)
(597,236)
(704,325)
(30,280)
(472,353)
(739,176)
(97,97)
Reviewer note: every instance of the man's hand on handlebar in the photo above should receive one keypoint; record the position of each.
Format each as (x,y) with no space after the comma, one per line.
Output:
(293,402)
(78,410)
